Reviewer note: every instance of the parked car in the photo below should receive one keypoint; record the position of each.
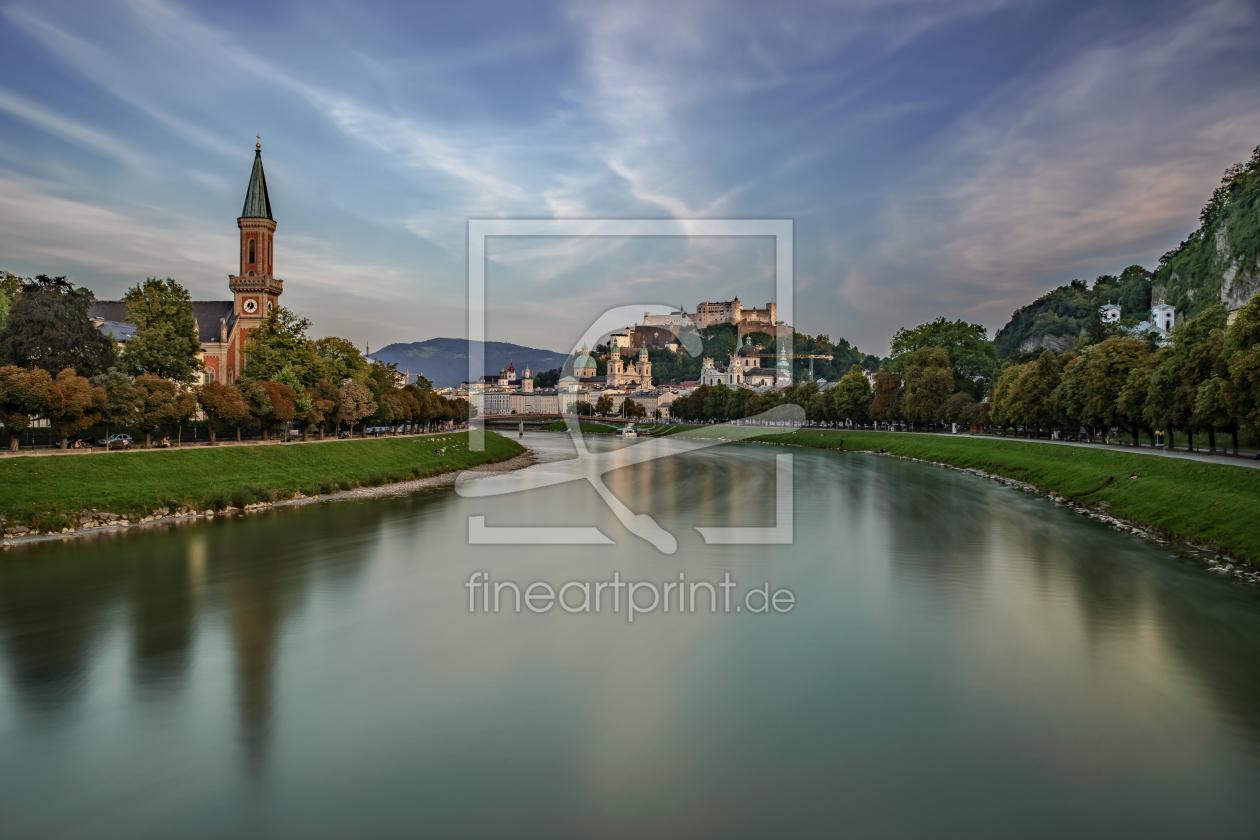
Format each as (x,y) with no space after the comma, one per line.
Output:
(80,441)
(118,442)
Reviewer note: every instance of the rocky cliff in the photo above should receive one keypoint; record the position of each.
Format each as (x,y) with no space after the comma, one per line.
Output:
(1220,261)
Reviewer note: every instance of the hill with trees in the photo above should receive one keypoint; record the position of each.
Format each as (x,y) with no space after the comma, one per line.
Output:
(1220,261)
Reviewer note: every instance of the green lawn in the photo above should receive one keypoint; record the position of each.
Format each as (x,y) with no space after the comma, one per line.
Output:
(1211,504)
(43,490)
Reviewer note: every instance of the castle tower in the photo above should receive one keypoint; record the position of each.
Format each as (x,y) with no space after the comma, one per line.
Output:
(255,290)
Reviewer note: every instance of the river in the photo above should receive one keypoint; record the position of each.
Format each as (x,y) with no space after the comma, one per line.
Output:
(960,660)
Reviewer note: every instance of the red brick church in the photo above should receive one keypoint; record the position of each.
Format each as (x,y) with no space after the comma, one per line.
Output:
(223,324)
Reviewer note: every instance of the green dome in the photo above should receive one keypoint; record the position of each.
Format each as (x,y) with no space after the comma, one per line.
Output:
(583,360)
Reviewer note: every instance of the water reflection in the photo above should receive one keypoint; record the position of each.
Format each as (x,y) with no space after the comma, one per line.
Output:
(957,644)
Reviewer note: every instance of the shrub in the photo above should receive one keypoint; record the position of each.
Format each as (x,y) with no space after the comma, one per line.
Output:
(215,500)
(263,492)
(241,496)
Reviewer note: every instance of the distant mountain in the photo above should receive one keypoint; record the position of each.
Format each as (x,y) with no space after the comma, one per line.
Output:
(444,361)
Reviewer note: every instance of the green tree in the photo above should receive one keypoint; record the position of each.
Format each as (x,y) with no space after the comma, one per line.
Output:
(1240,392)
(972,356)
(279,342)
(1105,376)
(122,400)
(48,328)
(886,404)
(75,404)
(166,342)
(957,408)
(257,398)
(853,395)
(337,359)
(301,399)
(25,393)
(929,382)
(604,405)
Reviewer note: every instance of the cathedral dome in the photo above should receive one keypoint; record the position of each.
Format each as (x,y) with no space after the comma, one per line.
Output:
(584,360)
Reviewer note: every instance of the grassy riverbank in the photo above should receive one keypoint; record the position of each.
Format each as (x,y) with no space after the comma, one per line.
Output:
(1207,504)
(45,492)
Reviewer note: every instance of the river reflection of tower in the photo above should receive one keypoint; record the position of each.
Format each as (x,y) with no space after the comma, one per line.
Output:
(264,574)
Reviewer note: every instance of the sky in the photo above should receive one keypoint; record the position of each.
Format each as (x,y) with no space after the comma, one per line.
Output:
(936,158)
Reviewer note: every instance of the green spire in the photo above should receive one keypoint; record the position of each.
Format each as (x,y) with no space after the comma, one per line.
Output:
(257,202)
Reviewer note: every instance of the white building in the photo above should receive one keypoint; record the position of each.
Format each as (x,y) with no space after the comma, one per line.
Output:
(1164,317)
(1110,313)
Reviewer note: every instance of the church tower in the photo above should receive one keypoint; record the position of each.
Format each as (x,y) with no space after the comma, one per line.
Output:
(255,290)
(645,368)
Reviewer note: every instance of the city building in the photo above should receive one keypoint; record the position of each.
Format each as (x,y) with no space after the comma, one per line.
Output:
(638,374)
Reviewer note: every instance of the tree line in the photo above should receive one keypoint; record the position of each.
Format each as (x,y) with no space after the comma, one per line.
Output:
(1203,379)
(55,364)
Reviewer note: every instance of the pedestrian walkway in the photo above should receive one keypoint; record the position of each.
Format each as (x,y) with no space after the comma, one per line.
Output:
(1244,459)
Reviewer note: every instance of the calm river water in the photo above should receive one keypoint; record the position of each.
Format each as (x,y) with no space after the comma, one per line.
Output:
(963,660)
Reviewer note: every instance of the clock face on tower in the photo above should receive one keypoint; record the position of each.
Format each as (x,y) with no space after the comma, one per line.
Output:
(251,305)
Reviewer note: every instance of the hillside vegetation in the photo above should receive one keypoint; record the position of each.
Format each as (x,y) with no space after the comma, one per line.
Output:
(1220,261)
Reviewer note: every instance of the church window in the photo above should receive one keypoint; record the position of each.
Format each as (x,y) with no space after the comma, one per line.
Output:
(251,251)
(209,375)
(269,252)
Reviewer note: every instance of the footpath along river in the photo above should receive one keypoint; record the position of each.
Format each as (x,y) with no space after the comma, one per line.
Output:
(961,660)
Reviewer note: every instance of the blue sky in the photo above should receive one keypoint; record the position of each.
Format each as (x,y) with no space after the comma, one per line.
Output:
(938,158)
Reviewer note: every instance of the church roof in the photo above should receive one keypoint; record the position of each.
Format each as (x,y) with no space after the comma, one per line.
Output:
(208,314)
(257,202)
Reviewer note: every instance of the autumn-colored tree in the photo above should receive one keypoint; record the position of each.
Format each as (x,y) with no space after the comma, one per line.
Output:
(281,399)
(356,403)
(24,394)
(1003,398)
(74,404)
(325,404)
(162,403)
(223,405)
(1105,375)
(604,405)
(1036,387)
